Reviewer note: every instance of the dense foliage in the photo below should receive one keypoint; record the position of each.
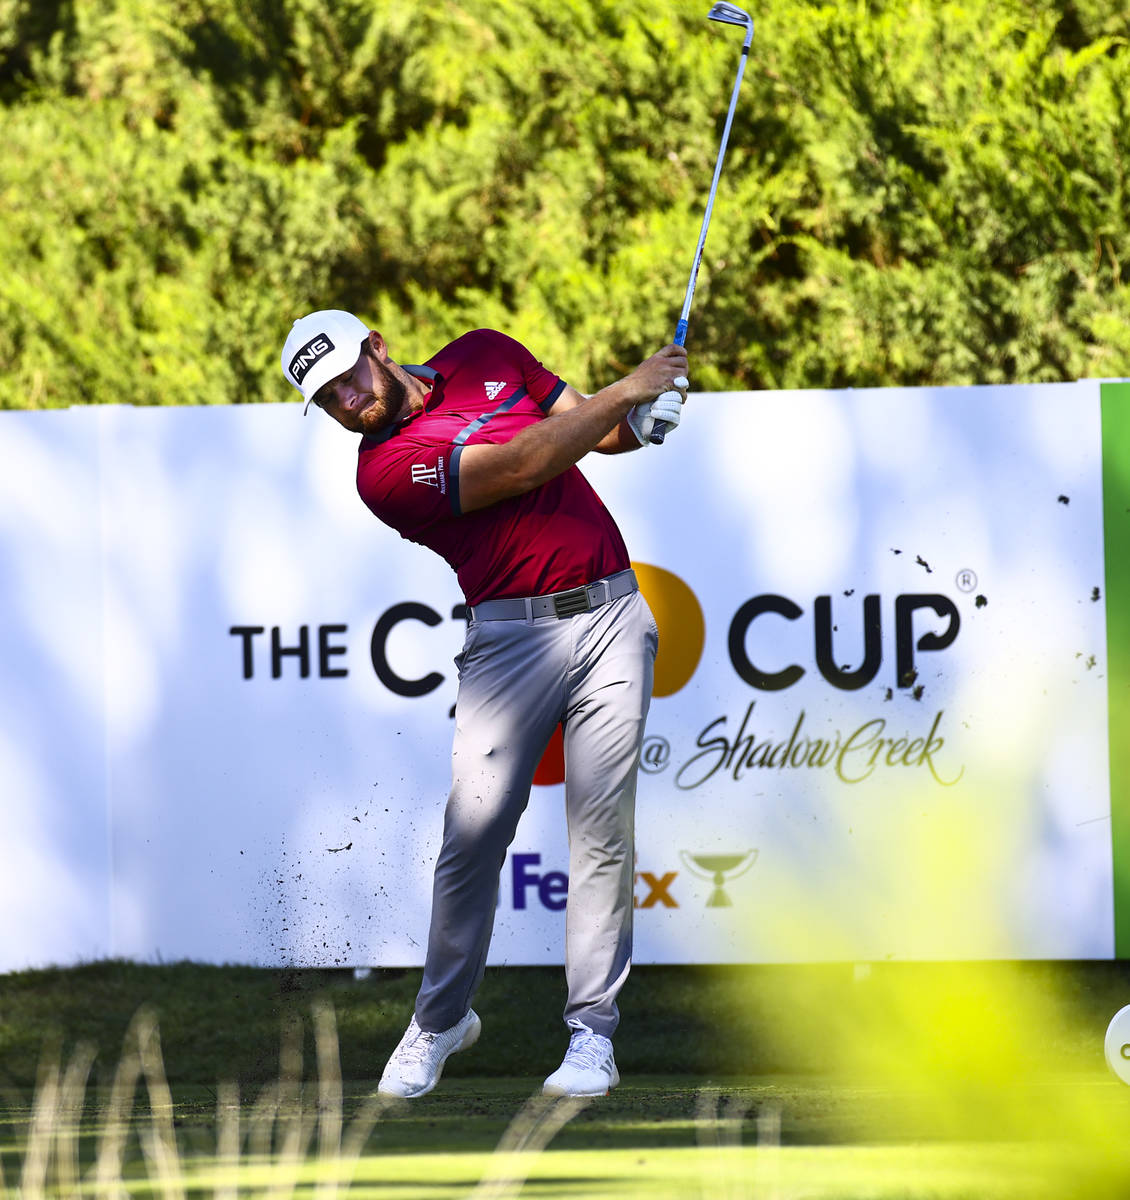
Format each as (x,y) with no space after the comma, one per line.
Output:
(917,192)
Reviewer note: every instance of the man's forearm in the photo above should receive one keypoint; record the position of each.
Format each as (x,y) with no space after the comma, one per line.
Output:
(619,440)
(575,425)
(542,451)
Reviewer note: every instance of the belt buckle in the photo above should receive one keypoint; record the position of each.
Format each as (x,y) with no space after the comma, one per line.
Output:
(568,604)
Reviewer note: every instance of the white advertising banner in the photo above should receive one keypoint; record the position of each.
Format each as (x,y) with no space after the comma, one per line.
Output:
(879,727)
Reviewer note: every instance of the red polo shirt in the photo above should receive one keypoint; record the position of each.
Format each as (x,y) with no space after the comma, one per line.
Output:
(486,387)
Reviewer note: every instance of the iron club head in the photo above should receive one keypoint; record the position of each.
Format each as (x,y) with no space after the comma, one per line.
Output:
(729,14)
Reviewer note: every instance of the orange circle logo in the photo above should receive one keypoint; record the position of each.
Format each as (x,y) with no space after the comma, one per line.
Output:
(682,636)
(682,627)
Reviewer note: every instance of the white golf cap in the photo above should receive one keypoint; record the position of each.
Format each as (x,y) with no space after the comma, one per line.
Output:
(319,347)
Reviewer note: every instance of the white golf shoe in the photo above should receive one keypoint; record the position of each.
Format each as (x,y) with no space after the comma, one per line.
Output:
(588,1068)
(417,1062)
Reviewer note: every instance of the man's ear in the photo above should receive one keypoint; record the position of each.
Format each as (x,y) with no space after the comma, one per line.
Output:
(377,345)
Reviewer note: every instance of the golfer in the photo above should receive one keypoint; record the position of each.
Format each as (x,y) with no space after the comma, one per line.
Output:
(473,454)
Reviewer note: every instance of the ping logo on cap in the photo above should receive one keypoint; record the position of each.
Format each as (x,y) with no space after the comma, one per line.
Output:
(317,347)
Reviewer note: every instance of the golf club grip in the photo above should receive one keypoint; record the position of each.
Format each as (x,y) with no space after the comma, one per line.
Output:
(659,429)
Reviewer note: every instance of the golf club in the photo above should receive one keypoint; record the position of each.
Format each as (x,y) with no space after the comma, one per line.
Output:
(727,14)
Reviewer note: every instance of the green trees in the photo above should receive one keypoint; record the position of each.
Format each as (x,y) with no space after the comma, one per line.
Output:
(968,169)
(916,192)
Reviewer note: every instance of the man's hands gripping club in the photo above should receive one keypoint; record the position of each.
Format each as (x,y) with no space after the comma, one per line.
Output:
(667,407)
(666,373)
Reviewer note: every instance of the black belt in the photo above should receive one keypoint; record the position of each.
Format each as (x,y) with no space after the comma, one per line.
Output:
(559,604)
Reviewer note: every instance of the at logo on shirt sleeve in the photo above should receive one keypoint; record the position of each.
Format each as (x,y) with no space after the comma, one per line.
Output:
(431,476)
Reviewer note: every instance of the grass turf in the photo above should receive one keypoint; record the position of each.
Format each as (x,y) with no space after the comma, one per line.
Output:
(659,1136)
(223,1023)
(722,1096)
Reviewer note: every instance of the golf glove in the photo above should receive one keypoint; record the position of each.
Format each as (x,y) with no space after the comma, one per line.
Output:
(667,407)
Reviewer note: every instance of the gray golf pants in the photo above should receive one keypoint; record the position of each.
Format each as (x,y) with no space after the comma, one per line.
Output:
(517,679)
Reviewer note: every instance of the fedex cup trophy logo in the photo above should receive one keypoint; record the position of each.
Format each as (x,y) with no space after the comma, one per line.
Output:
(718,869)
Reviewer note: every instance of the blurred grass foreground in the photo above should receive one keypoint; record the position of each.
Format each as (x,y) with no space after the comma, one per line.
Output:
(837,1081)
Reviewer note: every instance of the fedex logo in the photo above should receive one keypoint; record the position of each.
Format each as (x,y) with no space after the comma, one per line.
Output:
(550,888)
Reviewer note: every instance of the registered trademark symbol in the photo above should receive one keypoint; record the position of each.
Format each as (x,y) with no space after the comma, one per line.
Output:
(966,581)
(655,754)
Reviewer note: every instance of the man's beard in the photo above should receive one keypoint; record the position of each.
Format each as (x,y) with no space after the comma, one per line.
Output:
(386,406)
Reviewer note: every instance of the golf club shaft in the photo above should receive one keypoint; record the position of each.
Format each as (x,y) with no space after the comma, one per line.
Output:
(659,432)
